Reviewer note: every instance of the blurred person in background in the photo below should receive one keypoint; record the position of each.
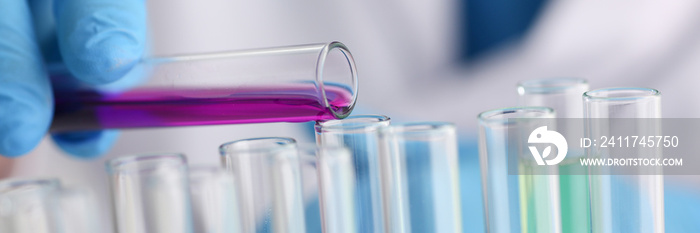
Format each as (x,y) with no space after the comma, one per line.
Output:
(436,60)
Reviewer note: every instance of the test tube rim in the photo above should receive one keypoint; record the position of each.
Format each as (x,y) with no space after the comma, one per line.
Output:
(549,85)
(486,117)
(353,71)
(594,95)
(13,184)
(284,143)
(365,123)
(421,130)
(116,165)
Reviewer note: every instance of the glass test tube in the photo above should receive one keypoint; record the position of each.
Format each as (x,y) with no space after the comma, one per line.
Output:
(564,96)
(621,202)
(150,193)
(42,205)
(268,179)
(561,94)
(26,206)
(420,167)
(214,202)
(514,200)
(361,135)
(334,179)
(77,211)
(283,84)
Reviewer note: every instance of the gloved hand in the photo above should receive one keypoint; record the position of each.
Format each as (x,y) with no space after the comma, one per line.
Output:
(99,41)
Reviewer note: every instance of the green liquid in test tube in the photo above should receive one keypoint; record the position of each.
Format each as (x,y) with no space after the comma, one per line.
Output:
(519,195)
(564,96)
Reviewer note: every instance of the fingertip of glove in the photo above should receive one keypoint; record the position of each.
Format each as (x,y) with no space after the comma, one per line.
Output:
(101,41)
(19,138)
(87,144)
(22,124)
(104,57)
(14,144)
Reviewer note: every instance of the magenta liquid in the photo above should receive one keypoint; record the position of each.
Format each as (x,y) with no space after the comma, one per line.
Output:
(158,108)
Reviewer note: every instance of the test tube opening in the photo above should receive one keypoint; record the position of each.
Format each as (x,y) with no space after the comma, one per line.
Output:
(423,131)
(501,116)
(550,85)
(144,163)
(353,124)
(26,185)
(257,145)
(336,75)
(621,94)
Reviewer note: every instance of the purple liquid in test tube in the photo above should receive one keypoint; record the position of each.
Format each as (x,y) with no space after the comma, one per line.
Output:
(159,108)
(286,84)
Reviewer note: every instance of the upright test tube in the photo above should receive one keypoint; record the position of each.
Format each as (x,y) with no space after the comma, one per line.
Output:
(214,202)
(26,206)
(514,200)
(361,135)
(421,174)
(283,84)
(268,178)
(77,211)
(150,193)
(334,177)
(624,202)
(564,96)
(42,205)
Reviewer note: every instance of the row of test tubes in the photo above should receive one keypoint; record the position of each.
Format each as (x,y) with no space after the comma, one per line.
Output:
(567,197)
(364,174)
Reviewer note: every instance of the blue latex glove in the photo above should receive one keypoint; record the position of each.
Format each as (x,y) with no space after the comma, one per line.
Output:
(99,41)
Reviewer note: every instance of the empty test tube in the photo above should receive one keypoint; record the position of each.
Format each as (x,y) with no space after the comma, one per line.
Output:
(26,206)
(625,202)
(43,206)
(514,199)
(214,202)
(564,96)
(77,211)
(269,186)
(421,177)
(150,193)
(361,135)
(334,175)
